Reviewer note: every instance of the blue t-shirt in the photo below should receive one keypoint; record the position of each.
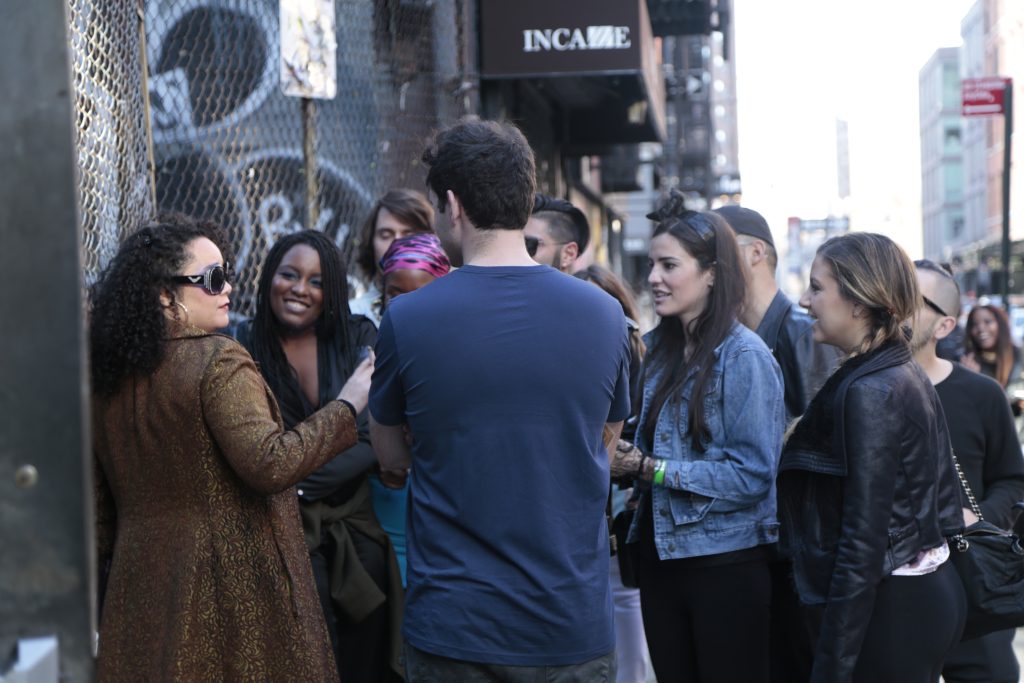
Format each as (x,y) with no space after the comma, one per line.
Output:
(506,376)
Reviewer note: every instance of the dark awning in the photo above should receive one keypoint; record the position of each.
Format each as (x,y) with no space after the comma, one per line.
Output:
(597,59)
(680,17)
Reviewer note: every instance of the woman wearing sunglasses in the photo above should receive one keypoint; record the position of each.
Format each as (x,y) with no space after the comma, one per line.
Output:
(196,518)
(867,491)
(307,344)
(710,430)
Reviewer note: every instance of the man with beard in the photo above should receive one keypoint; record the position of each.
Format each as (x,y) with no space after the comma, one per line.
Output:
(984,439)
(557,233)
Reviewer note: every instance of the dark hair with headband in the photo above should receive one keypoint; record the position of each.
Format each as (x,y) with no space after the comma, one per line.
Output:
(707,238)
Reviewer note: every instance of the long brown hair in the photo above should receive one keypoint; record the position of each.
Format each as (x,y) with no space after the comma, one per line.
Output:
(408,206)
(708,238)
(1004,342)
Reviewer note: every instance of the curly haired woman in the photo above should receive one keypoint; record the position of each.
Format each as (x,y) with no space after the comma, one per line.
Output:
(196,517)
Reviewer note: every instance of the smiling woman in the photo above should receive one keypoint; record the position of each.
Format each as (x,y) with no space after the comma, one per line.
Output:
(867,492)
(307,344)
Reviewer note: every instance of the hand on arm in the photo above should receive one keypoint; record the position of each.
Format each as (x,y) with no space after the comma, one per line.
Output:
(243,420)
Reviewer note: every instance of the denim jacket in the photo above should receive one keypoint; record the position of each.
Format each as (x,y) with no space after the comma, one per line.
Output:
(723,499)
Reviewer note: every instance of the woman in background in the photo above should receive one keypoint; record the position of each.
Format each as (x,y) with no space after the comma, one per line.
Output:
(988,346)
(196,517)
(307,344)
(399,213)
(409,263)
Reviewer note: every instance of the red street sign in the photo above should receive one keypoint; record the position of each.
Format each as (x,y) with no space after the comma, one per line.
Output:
(983,96)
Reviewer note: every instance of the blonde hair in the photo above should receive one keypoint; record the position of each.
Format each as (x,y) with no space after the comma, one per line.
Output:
(876,273)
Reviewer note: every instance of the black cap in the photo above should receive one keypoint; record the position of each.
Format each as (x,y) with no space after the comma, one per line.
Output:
(746,222)
(542,202)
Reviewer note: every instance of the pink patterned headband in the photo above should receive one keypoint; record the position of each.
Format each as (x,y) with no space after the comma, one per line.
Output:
(422,251)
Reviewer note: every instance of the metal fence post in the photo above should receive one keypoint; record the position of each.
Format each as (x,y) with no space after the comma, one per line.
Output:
(47,580)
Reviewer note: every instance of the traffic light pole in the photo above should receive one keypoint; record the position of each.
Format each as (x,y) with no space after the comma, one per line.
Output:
(1007,139)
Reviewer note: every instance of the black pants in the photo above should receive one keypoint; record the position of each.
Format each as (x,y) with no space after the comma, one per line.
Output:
(988,659)
(361,649)
(791,651)
(424,667)
(706,624)
(915,623)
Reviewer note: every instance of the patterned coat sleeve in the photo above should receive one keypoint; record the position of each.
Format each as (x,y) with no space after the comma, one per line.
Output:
(244,420)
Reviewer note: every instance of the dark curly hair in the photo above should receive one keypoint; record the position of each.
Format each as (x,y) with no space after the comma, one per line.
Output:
(489,166)
(127,325)
(332,326)
(409,206)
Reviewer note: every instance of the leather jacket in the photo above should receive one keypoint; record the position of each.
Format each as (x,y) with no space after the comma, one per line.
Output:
(866,483)
(805,363)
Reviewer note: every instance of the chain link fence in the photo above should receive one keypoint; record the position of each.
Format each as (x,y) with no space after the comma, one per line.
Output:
(110,124)
(227,145)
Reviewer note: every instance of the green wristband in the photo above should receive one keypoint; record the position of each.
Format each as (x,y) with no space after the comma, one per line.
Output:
(659,473)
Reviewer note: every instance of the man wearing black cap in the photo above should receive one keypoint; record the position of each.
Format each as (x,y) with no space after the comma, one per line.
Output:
(806,365)
(785,328)
(557,233)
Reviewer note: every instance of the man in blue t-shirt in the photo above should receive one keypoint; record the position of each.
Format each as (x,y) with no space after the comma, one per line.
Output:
(505,373)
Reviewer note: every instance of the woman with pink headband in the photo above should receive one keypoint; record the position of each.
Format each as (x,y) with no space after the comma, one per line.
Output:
(409,263)
(412,262)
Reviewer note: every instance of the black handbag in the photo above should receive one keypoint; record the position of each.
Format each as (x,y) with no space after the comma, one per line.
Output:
(990,562)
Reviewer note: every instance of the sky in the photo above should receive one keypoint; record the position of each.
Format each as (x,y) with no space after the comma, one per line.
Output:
(800,65)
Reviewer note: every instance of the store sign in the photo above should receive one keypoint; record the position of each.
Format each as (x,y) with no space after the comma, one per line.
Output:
(590,38)
(541,37)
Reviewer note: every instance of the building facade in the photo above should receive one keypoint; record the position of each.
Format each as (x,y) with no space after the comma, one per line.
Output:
(942,167)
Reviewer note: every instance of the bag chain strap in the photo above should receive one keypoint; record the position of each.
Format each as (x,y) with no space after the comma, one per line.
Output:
(967,488)
(961,542)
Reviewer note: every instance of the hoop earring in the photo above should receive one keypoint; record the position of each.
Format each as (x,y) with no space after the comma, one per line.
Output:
(182,307)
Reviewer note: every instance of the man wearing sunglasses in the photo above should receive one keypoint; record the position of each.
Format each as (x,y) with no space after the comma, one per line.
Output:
(557,233)
(984,438)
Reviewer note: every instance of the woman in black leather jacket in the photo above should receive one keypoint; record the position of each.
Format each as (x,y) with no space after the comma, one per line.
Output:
(867,490)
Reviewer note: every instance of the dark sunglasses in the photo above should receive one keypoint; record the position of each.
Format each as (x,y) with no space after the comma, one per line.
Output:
(531,245)
(935,307)
(212,281)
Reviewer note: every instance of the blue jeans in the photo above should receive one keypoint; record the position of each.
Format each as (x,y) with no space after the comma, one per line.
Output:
(423,667)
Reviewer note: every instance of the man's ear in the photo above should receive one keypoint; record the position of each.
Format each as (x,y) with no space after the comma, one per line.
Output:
(944,328)
(758,252)
(455,206)
(570,252)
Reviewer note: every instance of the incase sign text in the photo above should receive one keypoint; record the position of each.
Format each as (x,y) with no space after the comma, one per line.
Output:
(570,39)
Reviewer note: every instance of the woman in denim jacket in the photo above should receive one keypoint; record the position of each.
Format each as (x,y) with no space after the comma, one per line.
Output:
(711,427)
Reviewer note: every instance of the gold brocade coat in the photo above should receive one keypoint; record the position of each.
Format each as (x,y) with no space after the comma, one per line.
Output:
(209,574)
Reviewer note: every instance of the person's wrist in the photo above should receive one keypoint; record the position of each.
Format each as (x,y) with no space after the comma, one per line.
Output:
(347,404)
(658,476)
(640,466)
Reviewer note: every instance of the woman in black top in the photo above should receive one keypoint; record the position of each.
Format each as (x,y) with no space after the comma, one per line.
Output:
(307,344)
